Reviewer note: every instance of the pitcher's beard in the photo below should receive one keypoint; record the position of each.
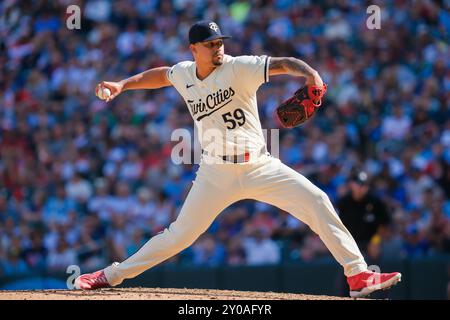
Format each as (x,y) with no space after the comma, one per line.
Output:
(217,62)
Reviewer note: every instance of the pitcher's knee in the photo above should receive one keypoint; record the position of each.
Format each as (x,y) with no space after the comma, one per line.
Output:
(321,198)
(180,239)
(323,205)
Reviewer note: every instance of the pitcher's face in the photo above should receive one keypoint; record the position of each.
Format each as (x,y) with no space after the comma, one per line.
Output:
(209,52)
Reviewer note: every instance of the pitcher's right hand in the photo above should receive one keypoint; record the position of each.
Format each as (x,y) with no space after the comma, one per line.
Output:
(116,88)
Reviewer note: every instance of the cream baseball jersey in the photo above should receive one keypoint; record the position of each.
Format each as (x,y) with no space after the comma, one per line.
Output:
(223,105)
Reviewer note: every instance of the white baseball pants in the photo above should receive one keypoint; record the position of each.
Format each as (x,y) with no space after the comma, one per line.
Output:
(217,186)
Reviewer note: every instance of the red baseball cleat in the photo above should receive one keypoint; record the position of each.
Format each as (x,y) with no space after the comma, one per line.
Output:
(366,282)
(92,281)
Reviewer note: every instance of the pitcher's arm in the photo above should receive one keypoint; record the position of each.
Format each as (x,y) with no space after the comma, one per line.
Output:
(294,67)
(151,79)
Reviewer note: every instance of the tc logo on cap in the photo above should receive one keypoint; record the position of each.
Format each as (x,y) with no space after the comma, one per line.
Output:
(214,26)
(205,31)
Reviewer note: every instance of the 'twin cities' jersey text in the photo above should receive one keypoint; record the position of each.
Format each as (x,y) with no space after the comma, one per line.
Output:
(223,105)
(213,103)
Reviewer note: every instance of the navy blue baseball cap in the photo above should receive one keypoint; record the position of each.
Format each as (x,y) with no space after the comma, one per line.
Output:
(360,177)
(205,31)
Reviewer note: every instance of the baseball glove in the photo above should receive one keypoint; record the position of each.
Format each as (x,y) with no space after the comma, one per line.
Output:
(301,106)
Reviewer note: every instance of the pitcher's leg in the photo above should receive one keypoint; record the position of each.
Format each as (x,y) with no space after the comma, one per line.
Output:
(287,189)
(202,205)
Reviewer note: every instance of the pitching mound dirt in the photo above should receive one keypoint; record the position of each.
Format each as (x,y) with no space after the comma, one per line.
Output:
(157,294)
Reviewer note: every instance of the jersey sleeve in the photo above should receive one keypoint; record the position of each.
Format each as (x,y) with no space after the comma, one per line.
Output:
(177,73)
(252,71)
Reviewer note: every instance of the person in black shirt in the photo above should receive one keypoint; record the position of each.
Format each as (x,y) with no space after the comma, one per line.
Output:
(364,215)
(362,212)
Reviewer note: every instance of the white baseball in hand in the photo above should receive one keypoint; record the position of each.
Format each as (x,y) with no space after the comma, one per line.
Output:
(104,93)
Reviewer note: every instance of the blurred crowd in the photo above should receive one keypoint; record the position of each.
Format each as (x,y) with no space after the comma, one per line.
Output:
(84,182)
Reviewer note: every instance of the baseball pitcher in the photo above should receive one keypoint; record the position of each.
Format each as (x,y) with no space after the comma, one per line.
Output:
(220,93)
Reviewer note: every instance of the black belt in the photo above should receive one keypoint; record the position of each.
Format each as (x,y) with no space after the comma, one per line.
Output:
(240,158)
